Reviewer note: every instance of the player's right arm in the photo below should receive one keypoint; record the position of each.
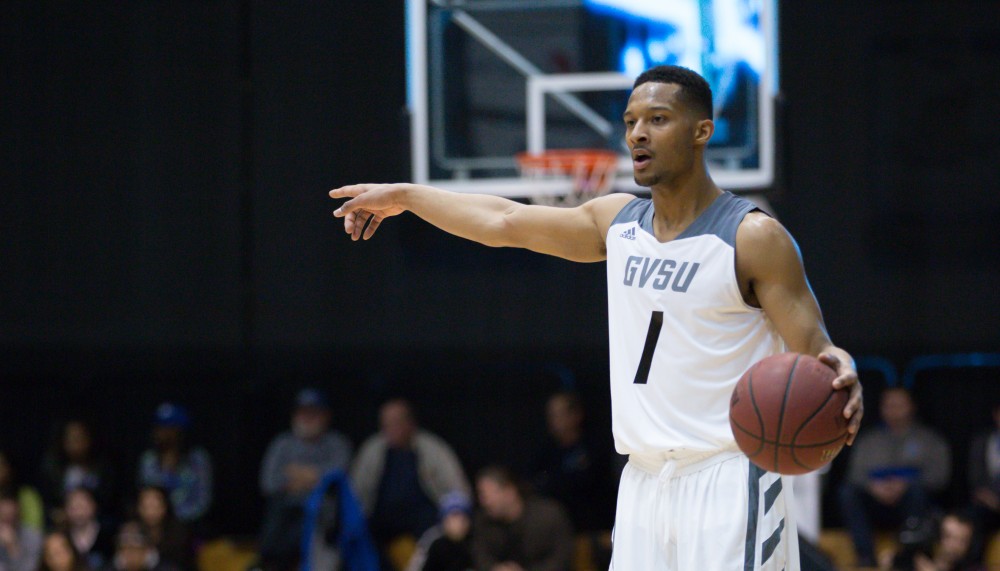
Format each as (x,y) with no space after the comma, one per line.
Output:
(575,234)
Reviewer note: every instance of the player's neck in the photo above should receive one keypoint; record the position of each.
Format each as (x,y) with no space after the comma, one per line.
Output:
(677,204)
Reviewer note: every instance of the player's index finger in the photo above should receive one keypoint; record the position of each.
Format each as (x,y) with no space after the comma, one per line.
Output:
(349,191)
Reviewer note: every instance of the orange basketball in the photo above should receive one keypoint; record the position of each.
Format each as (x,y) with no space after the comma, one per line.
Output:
(785,415)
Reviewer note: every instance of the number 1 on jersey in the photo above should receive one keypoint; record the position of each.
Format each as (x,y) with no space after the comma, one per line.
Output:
(655,324)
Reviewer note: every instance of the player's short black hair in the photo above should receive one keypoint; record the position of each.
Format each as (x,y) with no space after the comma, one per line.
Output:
(694,91)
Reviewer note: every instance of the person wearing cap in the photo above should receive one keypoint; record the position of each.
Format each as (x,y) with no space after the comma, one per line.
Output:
(448,545)
(184,471)
(293,465)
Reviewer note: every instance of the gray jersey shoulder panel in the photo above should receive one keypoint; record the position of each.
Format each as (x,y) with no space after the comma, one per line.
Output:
(639,210)
(721,218)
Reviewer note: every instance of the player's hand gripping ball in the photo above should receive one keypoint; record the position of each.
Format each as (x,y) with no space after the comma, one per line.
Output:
(786,416)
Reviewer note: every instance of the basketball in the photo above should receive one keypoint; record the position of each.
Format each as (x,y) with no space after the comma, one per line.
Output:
(786,416)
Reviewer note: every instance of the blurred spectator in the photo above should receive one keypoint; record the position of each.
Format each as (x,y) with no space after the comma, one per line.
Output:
(185,472)
(514,532)
(293,465)
(29,501)
(135,552)
(72,461)
(946,547)
(984,475)
(58,554)
(401,474)
(573,469)
(891,471)
(167,534)
(448,545)
(20,545)
(92,537)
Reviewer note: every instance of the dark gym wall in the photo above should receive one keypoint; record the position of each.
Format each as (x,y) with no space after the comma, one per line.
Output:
(167,232)
(893,169)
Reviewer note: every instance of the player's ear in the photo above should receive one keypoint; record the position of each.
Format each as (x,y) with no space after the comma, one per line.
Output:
(703,131)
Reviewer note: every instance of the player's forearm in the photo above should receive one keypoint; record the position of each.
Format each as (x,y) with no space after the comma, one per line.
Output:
(472,216)
(477,217)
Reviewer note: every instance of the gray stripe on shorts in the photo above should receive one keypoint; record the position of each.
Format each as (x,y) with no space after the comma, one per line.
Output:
(772,543)
(754,475)
(771,494)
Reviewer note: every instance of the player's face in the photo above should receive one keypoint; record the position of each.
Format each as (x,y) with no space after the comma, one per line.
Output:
(663,135)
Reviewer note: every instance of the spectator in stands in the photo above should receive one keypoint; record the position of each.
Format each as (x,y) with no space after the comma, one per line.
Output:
(515,532)
(401,474)
(135,552)
(58,554)
(448,545)
(28,499)
(20,545)
(891,471)
(73,461)
(984,475)
(293,465)
(950,549)
(93,537)
(573,469)
(183,470)
(167,534)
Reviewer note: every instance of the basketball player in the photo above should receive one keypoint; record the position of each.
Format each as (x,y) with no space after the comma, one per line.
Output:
(701,286)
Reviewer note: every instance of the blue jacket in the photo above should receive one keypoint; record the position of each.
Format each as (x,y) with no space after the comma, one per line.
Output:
(357,550)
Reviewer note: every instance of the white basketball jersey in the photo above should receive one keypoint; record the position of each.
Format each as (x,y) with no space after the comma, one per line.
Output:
(681,334)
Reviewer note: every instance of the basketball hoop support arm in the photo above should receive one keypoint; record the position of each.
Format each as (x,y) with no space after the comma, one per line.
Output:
(508,54)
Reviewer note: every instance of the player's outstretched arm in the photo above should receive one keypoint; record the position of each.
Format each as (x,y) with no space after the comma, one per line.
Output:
(573,233)
(769,257)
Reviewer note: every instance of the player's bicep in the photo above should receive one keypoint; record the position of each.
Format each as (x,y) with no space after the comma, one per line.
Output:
(773,262)
(575,234)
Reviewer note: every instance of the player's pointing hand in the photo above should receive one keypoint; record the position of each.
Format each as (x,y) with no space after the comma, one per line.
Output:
(369,204)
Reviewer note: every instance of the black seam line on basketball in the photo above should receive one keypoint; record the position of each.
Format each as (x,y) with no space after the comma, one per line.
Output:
(760,419)
(776,443)
(806,423)
(784,401)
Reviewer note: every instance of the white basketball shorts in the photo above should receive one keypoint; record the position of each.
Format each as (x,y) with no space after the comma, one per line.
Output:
(715,512)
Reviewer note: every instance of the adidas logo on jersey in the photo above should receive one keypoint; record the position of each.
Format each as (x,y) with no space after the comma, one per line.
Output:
(629,234)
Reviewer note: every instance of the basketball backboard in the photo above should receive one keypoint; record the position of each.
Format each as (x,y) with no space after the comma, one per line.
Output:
(488,79)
